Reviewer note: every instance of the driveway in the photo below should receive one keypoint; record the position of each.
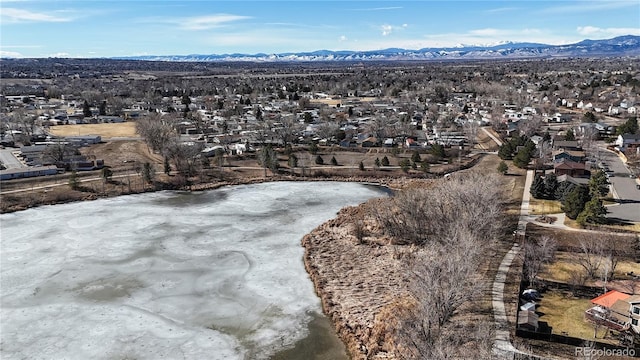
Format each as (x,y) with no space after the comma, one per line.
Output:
(624,189)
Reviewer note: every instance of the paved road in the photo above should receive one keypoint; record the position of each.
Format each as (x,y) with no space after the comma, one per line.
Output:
(9,160)
(624,189)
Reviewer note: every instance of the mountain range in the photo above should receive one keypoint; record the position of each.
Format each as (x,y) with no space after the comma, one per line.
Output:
(627,45)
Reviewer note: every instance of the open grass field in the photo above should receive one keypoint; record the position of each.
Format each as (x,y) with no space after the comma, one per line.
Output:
(126,129)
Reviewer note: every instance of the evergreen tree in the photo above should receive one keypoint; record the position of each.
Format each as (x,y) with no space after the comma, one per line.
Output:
(629,127)
(575,201)
(593,213)
(293,161)
(313,148)
(106,174)
(361,166)
(537,188)
(86,109)
(505,151)
(503,168)
(319,160)
(590,117)
(570,136)
(385,161)
(377,162)
(74,182)
(522,158)
(598,184)
(550,185)
(563,189)
(424,166)
(437,150)
(405,164)
(103,108)
(334,162)
(546,137)
(415,156)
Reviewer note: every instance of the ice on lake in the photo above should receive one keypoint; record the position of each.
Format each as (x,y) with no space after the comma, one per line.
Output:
(210,275)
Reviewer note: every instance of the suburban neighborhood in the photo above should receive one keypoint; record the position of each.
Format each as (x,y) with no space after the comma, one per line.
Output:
(562,133)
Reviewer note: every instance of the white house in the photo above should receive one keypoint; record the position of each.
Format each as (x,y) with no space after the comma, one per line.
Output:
(628,140)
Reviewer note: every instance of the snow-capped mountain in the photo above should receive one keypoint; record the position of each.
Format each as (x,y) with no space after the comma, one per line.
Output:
(628,45)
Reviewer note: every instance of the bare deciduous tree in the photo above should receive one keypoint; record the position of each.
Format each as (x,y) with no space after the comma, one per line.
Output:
(590,255)
(536,253)
(157,131)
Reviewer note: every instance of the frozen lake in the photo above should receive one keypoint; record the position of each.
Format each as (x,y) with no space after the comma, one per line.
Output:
(211,275)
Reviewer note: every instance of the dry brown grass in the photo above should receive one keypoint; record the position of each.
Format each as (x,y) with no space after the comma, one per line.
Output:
(540,207)
(109,130)
(565,315)
(565,265)
(635,227)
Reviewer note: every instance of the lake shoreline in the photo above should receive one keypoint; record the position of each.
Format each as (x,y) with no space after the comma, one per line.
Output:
(24,201)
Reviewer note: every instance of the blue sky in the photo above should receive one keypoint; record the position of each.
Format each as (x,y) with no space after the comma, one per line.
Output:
(31,28)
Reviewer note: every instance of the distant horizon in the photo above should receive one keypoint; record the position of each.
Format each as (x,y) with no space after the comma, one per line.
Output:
(107,29)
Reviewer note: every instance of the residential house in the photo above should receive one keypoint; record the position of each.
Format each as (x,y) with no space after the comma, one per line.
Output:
(566,144)
(570,179)
(571,155)
(411,143)
(616,310)
(628,141)
(369,142)
(571,168)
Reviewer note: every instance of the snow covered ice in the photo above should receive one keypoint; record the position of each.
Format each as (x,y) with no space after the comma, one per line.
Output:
(210,275)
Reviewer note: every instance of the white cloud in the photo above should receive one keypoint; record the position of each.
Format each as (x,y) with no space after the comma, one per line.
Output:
(10,54)
(343,38)
(606,32)
(209,21)
(13,15)
(388,29)
(59,55)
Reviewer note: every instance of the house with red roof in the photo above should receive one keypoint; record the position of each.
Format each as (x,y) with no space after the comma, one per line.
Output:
(616,310)
(571,168)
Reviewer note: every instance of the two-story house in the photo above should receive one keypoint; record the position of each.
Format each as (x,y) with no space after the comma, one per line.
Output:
(617,311)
